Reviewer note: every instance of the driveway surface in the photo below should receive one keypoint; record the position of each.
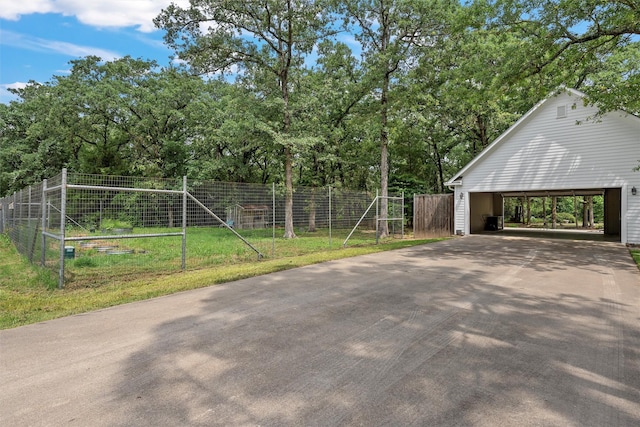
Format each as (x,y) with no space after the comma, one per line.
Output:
(473,331)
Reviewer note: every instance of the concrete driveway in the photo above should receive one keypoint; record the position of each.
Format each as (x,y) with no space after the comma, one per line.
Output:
(474,331)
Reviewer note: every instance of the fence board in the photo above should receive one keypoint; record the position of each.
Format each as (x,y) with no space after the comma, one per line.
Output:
(432,215)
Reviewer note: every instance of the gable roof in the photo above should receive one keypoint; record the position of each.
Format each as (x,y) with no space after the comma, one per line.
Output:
(456,180)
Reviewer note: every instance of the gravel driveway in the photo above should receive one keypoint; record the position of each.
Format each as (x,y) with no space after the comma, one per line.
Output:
(473,331)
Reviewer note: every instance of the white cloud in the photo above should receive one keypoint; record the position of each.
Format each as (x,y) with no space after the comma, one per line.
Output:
(177,61)
(16,85)
(6,96)
(102,14)
(13,9)
(37,44)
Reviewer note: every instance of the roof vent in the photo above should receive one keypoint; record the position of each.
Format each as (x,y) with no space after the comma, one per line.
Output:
(562,112)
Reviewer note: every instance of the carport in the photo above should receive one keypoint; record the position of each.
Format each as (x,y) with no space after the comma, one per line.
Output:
(487,211)
(557,149)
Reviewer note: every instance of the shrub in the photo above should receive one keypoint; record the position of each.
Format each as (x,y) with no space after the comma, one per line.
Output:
(111,224)
(565,217)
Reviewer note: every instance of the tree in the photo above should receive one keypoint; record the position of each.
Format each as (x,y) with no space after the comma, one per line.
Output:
(572,37)
(34,137)
(389,31)
(272,36)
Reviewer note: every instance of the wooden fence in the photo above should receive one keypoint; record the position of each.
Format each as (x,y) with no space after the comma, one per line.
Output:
(432,215)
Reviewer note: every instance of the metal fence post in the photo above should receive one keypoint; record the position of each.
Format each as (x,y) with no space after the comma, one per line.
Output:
(43,203)
(377,216)
(28,222)
(13,216)
(273,220)
(184,223)
(20,228)
(329,217)
(63,216)
(402,216)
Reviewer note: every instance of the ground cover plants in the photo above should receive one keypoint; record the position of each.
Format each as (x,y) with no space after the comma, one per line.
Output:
(29,294)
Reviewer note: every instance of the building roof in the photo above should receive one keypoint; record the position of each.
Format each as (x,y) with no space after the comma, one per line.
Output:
(456,180)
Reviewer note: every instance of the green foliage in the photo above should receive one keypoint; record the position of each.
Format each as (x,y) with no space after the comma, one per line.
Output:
(431,84)
(111,224)
(564,217)
(577,41)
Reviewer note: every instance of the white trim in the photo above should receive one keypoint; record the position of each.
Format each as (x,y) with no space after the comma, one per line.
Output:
(624,213)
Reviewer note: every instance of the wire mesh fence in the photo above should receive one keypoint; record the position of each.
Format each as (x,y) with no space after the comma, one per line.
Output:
(92,229)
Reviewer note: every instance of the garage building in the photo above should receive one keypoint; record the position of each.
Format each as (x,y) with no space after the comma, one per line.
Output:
(561,147)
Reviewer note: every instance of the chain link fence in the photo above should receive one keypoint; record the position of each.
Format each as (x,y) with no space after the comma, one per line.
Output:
(93,229)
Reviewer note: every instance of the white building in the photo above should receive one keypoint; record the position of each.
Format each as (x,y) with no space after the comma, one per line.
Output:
(559,148)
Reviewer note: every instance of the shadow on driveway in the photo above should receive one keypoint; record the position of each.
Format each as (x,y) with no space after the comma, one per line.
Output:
(472,331)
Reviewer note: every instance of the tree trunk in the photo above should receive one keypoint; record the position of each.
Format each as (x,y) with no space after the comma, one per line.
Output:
(289,232)
(528,210)
(383,227)
(554,212)
(312,211)
(440,170)
(544,212)
(591,220)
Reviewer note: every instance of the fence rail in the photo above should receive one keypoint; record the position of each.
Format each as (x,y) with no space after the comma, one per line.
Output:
(73,223)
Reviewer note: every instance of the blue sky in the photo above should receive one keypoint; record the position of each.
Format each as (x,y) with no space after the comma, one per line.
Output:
(38,38)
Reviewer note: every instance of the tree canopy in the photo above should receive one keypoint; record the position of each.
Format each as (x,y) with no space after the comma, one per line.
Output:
(361,94)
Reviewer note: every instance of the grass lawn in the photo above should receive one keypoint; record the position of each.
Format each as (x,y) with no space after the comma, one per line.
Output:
(635,253)
(29,294)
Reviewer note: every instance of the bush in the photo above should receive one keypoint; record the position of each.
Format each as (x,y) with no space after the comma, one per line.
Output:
(565,217)
(111,224)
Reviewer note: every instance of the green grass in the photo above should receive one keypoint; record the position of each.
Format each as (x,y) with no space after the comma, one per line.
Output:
(206,247)
(28,294)
(635,253)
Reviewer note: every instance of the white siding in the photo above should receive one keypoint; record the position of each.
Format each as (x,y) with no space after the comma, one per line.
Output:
(632,214)
(548,153)
(459,214)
